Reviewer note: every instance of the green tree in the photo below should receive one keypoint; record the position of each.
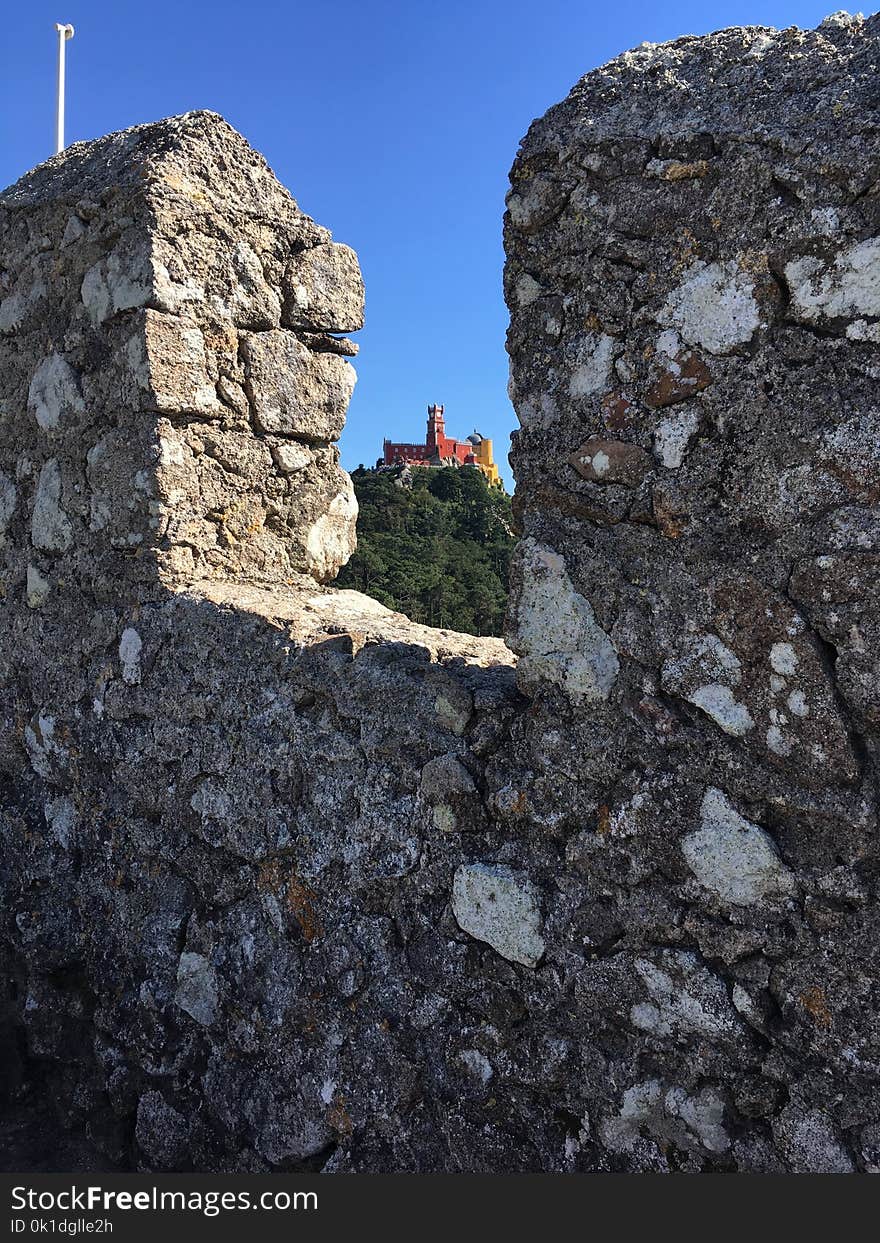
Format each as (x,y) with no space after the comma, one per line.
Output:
(434,543)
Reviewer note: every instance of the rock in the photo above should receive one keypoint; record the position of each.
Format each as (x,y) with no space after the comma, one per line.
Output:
(323,290)
(293,391)
(495,905)
(197,988)
(448,786)
(8,502)
(810,1144)
(38,588)
(692,218)
(333,538)
(161,1131)
(53,393)
(50,527)
(256,304)
(845,287)
(708,676)
(667,1114)
(684,998)
(170,338)
(733,857)
(673,435)
(556,632)
(611,461)
(679,373)
(445,775)
(292,457)
(130,646)
(714,306)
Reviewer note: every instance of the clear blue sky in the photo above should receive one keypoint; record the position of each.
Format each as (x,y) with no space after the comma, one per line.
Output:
(394,124)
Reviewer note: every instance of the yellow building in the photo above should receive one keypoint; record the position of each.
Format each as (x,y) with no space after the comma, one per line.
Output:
(483,459)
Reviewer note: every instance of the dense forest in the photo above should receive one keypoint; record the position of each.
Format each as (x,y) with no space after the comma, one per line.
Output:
(433,543)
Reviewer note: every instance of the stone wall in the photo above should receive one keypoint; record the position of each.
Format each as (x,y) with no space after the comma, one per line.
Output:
(289,882)
(232,801)
(694,282)
(172,384)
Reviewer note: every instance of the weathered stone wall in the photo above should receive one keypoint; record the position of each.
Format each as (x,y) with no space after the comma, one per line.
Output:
(694,282)
(290,882)
(172,387)
(232,801)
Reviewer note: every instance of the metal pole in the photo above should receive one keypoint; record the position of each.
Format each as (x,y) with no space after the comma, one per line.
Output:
(65,32)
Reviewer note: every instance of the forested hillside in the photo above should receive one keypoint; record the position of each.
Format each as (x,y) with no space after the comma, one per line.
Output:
(433,543)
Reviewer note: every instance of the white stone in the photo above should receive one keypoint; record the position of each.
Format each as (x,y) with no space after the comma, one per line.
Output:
(861,330)
(197,988)
(252,297)
(714,307)
(292,457)
(702,1114)
(672,437)
(777,742)
(53,393)
(639,1103)
(534,411)
(667,1114)
(728,713)
(783,658)
(555,631)
(476,1064)
(591,365)
(527,290)
(42,746)
(746,1007)
(60,816)
(332,538)
(14,308)
(37,588)
(526,208)
(73,230)
(669,343)
(130,645)
(797,704)
(494,904)
(849,287)
(716,669)
(50,527)
(825,220)
(117,283)
(686,998)
(734,858)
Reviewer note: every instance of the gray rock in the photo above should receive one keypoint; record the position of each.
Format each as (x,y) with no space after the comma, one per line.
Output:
(197,988)
(496,905)
(323,290)
(732,857)
(293,391)
(50,527)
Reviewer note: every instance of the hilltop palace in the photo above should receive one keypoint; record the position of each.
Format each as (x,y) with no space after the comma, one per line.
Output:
(440,450)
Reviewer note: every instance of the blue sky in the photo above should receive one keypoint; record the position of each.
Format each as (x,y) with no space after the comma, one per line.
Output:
(393,124)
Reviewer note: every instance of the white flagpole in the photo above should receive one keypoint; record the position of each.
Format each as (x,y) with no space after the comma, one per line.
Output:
(65,32)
